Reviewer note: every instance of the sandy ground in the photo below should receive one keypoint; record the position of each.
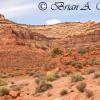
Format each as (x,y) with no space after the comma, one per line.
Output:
(28,86)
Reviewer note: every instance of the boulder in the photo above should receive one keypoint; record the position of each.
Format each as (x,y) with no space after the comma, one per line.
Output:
(14,94)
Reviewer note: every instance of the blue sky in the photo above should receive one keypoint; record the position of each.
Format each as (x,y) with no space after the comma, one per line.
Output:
(27,12)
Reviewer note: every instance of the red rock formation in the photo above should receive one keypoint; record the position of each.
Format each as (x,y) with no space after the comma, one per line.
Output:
(24,45)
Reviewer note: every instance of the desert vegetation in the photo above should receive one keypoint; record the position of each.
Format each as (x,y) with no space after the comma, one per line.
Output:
(56,51)
(76,77)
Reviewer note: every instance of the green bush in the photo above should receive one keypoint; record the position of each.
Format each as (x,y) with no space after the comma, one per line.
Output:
(56,51)
(76,77)
(81,86)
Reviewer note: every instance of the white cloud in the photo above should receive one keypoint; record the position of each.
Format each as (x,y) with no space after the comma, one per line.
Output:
(16,10)
(53,21)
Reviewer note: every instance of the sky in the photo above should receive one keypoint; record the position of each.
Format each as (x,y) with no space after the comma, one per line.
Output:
(27,11)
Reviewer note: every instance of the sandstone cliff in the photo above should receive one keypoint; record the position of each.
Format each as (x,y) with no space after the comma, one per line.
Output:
(24,45)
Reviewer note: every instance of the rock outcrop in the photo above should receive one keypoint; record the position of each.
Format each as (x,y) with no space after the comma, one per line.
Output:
(23,45)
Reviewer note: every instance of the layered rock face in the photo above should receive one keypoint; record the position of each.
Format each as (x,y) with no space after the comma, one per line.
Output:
(72,33)
(23,45)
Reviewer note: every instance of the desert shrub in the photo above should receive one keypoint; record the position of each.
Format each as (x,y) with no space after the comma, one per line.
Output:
(63,92)
(76,77)
(43,86)
(97,74)
(40,80)
(90,71)
(43,82)
(4,90)
(56,51)
(2,82)
(51,76)
(81,86)
(88,93)
(82,51)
